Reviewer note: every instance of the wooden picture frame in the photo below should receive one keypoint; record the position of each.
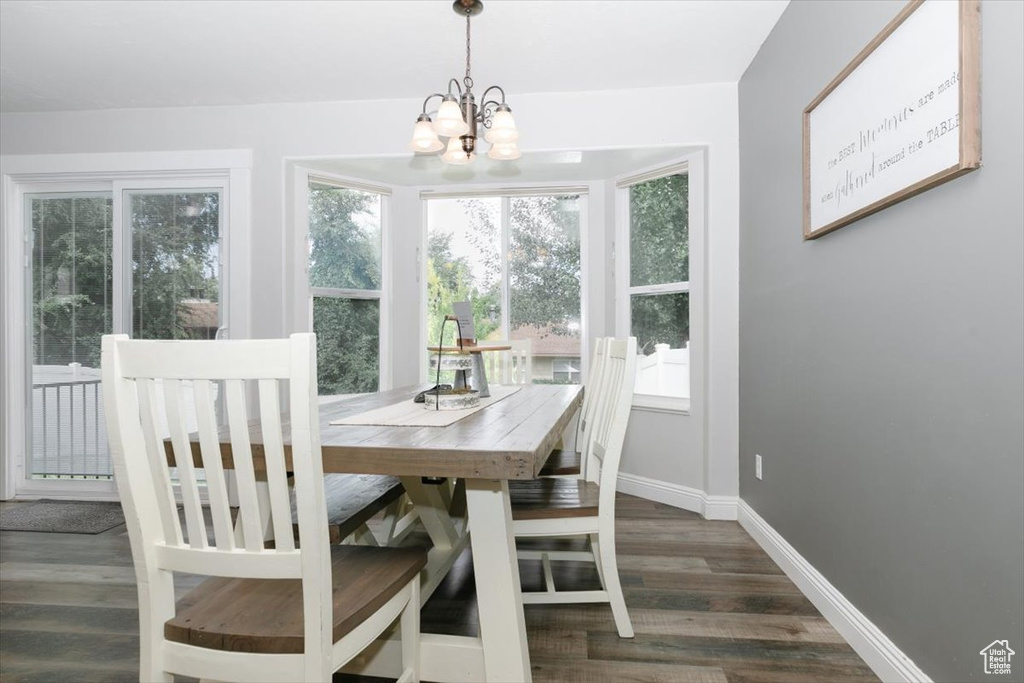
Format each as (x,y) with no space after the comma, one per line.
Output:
(880,132)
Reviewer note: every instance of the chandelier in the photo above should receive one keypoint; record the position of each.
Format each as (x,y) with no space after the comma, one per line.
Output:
(458,115)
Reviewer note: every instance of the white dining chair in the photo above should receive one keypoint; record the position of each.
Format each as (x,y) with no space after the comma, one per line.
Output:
(567,507)
(514,366)
(244,623)
(564,462)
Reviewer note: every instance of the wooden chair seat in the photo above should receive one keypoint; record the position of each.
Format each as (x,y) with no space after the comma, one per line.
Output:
(265,615)
(352,499)
(553,498)
(561,463)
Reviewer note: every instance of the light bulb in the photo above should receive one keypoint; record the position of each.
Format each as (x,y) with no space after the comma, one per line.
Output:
(424,139)
(450,123)
(506,151)
(455,155)
(503,126)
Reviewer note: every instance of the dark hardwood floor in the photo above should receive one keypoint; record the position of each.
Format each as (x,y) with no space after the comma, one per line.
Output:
(708,606)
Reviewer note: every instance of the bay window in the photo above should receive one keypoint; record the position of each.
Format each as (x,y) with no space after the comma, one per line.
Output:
(517,259)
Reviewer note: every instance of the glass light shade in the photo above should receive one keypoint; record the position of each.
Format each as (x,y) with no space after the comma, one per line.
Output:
(503,128)
(504,151)
(449,122)
(455,155)
(424,139)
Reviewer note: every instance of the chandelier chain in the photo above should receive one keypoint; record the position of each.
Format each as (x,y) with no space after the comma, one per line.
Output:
(468,81)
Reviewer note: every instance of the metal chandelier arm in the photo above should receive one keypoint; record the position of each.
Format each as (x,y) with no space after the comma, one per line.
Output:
(430,97)
(494,87)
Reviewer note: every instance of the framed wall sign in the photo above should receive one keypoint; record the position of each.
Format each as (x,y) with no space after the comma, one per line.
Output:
(901,118)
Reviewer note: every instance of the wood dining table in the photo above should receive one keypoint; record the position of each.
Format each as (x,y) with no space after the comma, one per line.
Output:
(508,439)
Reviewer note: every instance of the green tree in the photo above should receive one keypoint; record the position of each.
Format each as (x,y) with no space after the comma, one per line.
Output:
(347,345)
(450,278)
(175,257)
(544,264)
(659,235)
(72,278)
(345,238)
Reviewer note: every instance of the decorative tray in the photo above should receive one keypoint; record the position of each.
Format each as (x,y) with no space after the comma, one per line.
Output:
(452,362)
(457,399)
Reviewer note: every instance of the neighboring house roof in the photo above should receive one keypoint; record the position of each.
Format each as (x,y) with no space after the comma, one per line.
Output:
(199,313)
(546,342)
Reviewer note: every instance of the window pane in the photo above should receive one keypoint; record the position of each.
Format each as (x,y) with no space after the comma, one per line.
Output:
(344,238)
(544,283)
(72,307)
(175,264)
(661,325)
(659,231)
(347,345)
(464,263)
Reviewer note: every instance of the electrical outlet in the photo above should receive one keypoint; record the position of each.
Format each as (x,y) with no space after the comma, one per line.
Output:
(757,466)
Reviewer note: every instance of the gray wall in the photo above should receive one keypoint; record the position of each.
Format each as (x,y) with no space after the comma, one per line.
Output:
(882,366)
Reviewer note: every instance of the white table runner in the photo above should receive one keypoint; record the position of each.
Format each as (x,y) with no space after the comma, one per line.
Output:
(409,414)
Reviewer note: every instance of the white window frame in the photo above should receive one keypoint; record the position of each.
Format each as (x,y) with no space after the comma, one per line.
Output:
(505,193)
(693,166)
(227,170)
(304,312)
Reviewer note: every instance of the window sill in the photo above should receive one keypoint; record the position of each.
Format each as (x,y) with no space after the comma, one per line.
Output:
(661,404)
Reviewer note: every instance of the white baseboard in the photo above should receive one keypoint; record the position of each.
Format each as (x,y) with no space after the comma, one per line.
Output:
(684,497)
(874,647)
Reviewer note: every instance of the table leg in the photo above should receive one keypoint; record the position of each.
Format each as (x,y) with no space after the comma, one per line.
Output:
(433,512)
(498,593)
(448,536)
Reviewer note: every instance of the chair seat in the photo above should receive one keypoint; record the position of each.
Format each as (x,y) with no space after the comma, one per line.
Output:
(265,615)
(561,463)
(352,499)
(553,498)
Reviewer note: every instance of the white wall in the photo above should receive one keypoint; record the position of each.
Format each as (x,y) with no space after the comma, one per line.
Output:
(704,115)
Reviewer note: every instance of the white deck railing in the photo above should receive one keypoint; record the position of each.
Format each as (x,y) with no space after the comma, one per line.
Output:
(69,435)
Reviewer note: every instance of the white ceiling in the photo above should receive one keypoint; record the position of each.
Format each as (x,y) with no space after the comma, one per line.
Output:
(570,166)
(93,54)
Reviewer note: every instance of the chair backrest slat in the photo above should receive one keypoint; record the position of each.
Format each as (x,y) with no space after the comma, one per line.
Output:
(592,456)
(156,455)
(216,483)
(245,474)
(611,413)
(277,476)
(590,400)
(191,502)
(610,434)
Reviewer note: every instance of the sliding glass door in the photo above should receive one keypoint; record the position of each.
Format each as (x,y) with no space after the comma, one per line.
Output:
(144,260)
